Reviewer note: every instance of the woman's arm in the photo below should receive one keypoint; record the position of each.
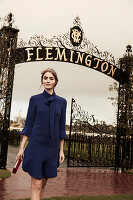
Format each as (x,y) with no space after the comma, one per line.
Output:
(61,155)
(29,118)
(26,132)
(22,147)
(62,131)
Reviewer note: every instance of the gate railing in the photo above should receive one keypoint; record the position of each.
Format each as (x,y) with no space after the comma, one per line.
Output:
(90,143)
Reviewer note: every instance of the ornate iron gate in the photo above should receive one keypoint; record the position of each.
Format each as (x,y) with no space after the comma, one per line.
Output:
(72,47)
(90,143)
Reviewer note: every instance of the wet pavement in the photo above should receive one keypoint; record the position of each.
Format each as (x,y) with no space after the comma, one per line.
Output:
(70,182)
(11,156)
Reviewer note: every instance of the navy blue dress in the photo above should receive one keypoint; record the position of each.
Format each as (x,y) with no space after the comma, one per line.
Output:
(45,126)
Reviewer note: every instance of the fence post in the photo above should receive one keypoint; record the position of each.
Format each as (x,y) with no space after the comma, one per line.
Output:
(125,114)
(69,146)
(8,43)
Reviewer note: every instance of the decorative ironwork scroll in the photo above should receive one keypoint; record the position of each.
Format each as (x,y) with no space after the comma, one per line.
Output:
(7,21)
(72,47)
(71,40)
(65,42)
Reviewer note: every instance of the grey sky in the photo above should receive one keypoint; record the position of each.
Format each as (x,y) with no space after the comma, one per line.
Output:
(106,23)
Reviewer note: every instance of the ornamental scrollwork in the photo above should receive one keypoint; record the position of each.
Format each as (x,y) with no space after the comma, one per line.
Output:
(65,41)
(81,119)
(8,21)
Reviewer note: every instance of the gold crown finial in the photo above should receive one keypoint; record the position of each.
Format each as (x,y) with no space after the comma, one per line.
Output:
(77,21)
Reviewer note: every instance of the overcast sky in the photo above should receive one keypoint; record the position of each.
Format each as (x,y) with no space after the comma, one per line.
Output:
(108,24)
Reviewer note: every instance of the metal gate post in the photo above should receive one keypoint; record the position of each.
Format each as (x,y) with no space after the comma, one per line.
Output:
(69,146)
(8,43)
(124,154)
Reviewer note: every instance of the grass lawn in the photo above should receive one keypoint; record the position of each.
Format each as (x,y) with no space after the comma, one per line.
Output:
(113,197)
(129,171)
(4,173)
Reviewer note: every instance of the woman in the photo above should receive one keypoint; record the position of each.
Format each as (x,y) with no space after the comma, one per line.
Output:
(45,130)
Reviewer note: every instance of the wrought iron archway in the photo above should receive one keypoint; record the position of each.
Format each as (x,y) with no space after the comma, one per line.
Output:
(71,47)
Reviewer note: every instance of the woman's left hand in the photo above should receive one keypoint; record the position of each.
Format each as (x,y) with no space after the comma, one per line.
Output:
(62,157)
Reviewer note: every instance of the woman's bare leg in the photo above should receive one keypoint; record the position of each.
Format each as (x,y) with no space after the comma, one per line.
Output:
(36,186)
(44,181)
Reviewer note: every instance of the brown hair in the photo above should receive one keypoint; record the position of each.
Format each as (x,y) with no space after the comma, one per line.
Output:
(52,71)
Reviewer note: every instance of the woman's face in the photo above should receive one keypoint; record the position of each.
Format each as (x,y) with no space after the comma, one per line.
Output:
(48,80)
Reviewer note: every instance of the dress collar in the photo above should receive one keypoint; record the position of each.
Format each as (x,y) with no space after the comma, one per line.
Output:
(46,94)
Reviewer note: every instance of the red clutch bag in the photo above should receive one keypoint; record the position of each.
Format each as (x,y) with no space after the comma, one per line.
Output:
(16,166)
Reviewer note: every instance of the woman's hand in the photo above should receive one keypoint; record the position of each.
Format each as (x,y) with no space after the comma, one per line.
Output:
(22,147)
(20,154)
(61,157)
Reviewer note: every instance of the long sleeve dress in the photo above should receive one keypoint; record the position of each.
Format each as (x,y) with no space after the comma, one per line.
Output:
(45,126)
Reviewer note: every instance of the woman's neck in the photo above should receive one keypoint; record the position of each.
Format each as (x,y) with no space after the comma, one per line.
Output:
(50,91)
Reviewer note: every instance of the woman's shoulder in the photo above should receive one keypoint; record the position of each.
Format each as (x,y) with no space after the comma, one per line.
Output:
(61,98)
(36,96)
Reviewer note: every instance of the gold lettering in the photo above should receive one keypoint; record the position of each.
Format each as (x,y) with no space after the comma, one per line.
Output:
(97,65)
(37,53)
(61,55)
(88,61)
(71,57)
(48,53)
(29,53)
(112,70)
(80,57)
(106,67)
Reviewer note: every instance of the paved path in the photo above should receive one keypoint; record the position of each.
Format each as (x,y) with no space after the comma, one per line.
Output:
(71,181)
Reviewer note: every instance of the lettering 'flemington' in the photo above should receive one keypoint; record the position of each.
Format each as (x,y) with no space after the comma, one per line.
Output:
(68,55)
(62,54)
